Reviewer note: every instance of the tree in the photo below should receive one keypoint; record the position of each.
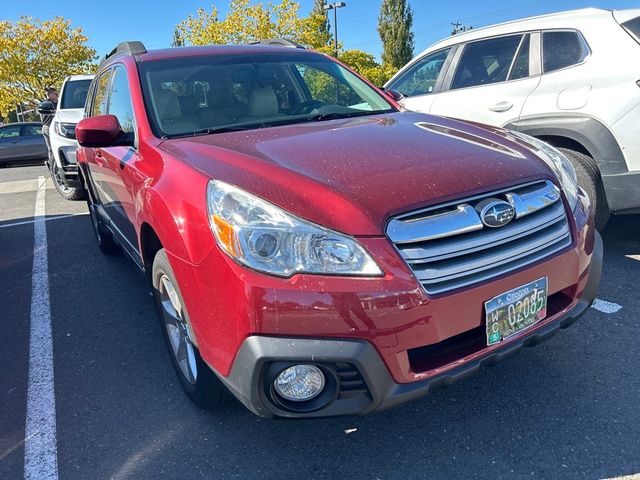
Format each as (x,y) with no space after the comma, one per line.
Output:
(244,23)
(394,26)
(35,55)
(177,40)
(365,64)
(318,24)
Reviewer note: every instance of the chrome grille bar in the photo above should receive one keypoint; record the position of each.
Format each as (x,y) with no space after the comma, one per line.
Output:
(448,246)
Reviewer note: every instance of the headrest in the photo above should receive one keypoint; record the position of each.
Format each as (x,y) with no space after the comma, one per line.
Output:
(263,102)
(168,105)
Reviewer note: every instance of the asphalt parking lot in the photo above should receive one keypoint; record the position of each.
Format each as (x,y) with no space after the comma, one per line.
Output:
(567,408)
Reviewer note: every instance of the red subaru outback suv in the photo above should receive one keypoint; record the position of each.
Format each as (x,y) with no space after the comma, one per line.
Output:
(311,248)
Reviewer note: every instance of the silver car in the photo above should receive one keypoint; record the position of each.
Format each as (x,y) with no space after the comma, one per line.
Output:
(21,142)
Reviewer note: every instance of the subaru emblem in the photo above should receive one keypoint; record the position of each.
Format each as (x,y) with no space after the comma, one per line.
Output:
(495,213)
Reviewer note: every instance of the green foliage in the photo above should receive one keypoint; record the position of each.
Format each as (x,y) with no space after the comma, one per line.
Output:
(365,65)
(394,26)
(319,26)
(247,22)
(177,40)
(37,54)
(244,23)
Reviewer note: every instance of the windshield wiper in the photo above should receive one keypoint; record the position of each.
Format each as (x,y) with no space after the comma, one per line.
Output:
(275,123)
(336,115)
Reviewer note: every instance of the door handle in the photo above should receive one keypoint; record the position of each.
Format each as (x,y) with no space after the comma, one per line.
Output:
(98,158)
(501,106)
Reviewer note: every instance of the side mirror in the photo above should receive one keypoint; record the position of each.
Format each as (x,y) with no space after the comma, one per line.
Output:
(47,108)
(101,132)
(394,95)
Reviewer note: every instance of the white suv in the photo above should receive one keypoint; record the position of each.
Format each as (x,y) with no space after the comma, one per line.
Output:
(62,135)
(571,79)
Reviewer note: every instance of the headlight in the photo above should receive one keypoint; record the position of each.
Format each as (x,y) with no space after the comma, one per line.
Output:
(67,130)
(559,163)
(266,238)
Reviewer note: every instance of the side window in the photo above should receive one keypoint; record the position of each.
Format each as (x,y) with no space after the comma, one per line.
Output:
(30,130)
(633,27)
(120,103)
(10,132)
(421,77)
(486,61)
(520,68)
(99,106)
(562,49)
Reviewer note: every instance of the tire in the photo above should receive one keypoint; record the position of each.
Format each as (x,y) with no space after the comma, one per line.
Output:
(68,193)
(591,182)
(196,378)
(106,243)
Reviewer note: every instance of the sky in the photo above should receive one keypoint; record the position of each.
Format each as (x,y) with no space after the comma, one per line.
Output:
(153,21)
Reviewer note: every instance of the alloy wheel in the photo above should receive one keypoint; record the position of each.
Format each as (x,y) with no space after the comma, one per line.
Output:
(177,330)
(57,177)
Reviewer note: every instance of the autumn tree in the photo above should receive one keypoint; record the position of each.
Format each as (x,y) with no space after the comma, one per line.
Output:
(394,26)
(36,54)
(244,23)
(316,33)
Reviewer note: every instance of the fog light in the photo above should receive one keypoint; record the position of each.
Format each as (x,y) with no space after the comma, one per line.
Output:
(299,383)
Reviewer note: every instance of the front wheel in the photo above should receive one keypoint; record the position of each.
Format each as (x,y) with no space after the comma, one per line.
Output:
(591,182)
(196,378)
(67,192)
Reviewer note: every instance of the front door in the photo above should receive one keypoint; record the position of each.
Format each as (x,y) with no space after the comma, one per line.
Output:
(33,144)
(119,165)
(10,143)
(421,80)
(491,80)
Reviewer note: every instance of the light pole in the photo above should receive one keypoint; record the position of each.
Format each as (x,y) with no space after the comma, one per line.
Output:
(335,6)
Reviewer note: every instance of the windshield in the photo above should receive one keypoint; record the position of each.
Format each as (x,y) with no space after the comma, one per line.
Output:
(217,93)
(75,94)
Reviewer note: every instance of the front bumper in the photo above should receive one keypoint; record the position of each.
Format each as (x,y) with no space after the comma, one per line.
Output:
(64,152)
(246,379)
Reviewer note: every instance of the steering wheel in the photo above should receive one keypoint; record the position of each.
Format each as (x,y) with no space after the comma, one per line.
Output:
(307,107)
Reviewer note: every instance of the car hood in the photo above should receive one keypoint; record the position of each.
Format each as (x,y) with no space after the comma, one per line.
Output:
(69,115)
(353,174)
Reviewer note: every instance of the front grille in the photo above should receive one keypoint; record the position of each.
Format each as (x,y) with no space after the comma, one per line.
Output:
(449,247)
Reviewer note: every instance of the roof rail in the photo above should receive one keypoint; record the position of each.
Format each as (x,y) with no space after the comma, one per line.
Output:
(131,48)
(277,42)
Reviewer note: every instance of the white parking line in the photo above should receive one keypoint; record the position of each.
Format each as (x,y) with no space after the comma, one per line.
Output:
(21,186)
(56,217)
(40,450)
(606,307)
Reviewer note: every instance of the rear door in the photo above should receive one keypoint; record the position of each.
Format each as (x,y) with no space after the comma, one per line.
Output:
(10,143)
(96,168)
(490,79)
(33,144)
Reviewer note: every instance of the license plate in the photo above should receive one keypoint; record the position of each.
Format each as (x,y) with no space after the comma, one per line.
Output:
(515,310)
